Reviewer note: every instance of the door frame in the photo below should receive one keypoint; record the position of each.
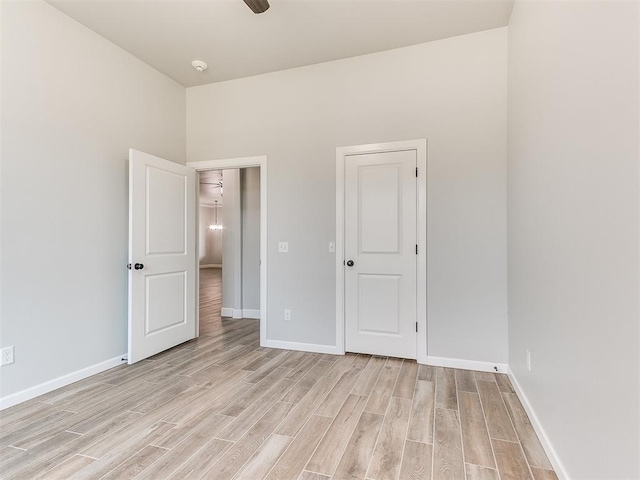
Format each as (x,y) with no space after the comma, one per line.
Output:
(232,163)
(420,147)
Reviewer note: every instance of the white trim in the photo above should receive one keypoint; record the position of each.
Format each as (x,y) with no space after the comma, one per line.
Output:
(226,163)
(237,313)
(197,256)
(340,251)
(467,364)
(63,381)
(561,472)
(230,312)
(303,347)
(421,310)
(211,265)
(420,146)
(243,162)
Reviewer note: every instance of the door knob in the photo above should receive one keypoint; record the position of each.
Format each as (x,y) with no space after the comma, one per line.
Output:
(138,266)
(350,263)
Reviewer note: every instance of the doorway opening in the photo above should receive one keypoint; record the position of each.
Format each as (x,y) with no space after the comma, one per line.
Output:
(228,246)
(381,290)
(255,180)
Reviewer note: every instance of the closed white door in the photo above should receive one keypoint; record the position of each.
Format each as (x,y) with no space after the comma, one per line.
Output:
(380,253)
(162,276)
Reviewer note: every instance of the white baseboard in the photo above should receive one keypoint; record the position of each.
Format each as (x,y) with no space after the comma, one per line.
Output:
(561,472)
(303,347)
(230,312)
(467,364)
(63,381)
(211,265)
(237,313)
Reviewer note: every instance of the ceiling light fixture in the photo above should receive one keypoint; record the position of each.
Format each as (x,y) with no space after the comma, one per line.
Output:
(216,226)
(199,65)
(257,6)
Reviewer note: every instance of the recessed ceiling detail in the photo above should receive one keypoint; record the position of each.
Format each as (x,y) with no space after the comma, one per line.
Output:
(169,34)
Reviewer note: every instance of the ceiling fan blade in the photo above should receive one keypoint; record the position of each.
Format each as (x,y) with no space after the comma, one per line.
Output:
(257,6)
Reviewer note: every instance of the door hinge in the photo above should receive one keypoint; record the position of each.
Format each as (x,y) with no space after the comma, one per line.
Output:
(416,249)
(416,326)
(416,172)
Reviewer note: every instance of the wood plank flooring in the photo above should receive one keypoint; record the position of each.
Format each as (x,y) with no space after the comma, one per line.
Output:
(222,407)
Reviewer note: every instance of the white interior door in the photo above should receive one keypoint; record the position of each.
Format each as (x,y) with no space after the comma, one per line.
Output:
(380,252)
(162,255)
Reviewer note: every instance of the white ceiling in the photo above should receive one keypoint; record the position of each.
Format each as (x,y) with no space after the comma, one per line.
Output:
(235,42)
(209,193)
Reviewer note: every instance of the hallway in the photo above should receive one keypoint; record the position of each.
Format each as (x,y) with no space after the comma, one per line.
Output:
(210,300)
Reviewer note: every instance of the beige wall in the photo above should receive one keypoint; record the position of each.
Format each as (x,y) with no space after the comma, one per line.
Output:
(452,92)
(232,242)
(250,192)
(210,241)
(241,241)
(573,228)
(72,105)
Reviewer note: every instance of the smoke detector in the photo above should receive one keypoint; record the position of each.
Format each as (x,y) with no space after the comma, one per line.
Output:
(199,65)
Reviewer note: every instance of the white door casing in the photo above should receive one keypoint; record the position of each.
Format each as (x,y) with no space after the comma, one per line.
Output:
(162,239)
(381,221)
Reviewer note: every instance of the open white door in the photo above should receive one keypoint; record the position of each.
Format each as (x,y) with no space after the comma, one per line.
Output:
(162,255)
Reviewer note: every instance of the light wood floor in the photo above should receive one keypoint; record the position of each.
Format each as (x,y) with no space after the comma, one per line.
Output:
(221,407)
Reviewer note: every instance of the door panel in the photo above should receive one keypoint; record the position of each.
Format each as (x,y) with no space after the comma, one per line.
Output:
(166,301)
(379,188)
(162,216)
(379,297)
(166,211)
(380,238)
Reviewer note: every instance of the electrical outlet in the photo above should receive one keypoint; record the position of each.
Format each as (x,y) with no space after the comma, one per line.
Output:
(528,360)
(332,247)
(287,315)
(283,247)
(6,355)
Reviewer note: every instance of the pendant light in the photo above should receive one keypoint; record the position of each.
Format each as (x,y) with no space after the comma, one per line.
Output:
(216,226)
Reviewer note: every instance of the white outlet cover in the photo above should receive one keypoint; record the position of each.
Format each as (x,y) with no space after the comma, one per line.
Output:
(283,247)
(7,356)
